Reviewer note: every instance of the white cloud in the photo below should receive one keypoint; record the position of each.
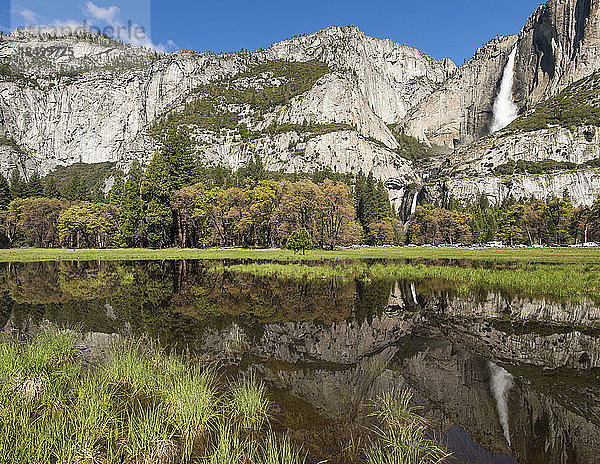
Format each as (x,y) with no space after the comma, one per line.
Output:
(96,18)
(108,15)
(30,16)
(112,24)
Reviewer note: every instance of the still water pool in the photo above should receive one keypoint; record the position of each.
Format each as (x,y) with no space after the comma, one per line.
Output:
(502,378)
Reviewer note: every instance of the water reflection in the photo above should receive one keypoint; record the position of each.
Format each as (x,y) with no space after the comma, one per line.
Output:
(328,348)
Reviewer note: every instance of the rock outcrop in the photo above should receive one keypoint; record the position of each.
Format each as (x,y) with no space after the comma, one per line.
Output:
(96,100)
(559,44)
(460,111)
(392,77)
(581,186)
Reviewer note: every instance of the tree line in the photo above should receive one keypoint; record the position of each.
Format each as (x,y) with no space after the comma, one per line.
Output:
(531,222)
(173,201)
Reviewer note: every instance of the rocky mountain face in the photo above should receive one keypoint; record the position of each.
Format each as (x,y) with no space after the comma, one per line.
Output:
(550,150)
(98,103)
(460,110)
(559,45)
(89,99)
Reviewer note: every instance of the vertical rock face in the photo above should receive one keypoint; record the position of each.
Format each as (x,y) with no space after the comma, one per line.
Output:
(393,77)
(97,104)
(461,109)
(96,116)
(581,186)
(559,45)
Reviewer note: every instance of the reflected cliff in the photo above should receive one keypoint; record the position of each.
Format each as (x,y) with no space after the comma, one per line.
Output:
(328,348)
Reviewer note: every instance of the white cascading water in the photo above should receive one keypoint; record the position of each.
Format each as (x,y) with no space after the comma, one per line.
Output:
(504,110)
(413,207)
(413,292)
(500,383)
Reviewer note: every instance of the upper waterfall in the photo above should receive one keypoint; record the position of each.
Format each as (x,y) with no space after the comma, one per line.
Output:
(505,111)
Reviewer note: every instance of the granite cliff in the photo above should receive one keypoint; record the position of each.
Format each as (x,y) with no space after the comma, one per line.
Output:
(339,95)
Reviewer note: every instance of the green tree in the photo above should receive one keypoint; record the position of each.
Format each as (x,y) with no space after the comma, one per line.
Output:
(157,217)
(536,222)
(263,200)
(5,196)
(299,241)
(115,196)
(51,189)
(254,170)
(511,225)
(75,190)
(581,226)
(34,186)
(130,209)
(558,213)
(89,224)
(177,153)
(18,187)
(484,223)
(384,207)
(370,202)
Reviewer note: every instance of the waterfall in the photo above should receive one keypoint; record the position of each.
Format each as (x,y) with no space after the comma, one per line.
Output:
(413,293)
(414,203)
(500,383)
(504,109)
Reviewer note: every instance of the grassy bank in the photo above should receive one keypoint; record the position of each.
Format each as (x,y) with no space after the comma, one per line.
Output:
(567,281)
(141,405)
(544,255)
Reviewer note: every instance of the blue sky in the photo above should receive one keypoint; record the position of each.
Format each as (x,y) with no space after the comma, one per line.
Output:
(440,28)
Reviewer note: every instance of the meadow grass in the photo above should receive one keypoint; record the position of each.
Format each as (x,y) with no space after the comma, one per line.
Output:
(139,405)
(249,403)
(402,434)
(142,405)
(537,255)
(564,281)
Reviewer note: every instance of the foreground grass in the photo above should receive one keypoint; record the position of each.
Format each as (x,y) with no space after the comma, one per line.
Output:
(543,255)
(140,406)
(144,406)
(567,281)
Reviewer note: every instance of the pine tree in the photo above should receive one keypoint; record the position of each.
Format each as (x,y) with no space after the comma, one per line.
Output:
(18,187)
(5,196)
(34,186)
(76,191)
(97,195)
(254,170)
(115,197)
(51,190)
(177,151)
(384,207)
(157,217)
(130,209)
(359,201)
(370,200)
